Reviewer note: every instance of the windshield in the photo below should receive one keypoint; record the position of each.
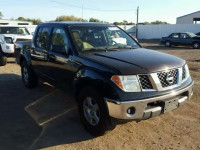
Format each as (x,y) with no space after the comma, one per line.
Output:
(14,30)
(101,38)
(191,34)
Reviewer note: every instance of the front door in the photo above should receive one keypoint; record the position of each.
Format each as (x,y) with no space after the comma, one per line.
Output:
(59,59)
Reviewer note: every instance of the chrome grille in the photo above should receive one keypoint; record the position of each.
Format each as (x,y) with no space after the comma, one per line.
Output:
(183,73)
(145,82)
(163,77)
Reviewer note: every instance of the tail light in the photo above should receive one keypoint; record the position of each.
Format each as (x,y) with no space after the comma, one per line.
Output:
(14,49)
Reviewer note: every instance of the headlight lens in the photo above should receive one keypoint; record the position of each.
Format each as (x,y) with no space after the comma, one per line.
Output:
(187,71)
(127,83)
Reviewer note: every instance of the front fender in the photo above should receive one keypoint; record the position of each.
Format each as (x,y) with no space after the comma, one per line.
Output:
(96,79)
(25,56)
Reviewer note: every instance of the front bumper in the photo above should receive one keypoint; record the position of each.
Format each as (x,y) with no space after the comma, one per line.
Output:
(8,48)
(147,108)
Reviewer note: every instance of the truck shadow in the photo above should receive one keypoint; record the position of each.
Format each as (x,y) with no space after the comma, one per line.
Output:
(58,116)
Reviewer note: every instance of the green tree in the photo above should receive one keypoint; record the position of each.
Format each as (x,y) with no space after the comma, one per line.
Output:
(124,23)
(21,18)
(1,15)
(155,22)
(94,20)
(35,21)
(70,18)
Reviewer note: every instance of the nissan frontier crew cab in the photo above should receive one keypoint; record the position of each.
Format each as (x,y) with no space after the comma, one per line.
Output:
(110,74)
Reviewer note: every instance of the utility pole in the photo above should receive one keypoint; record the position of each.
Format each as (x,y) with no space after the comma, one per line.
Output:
(137,22)
(82,12)
(82,9)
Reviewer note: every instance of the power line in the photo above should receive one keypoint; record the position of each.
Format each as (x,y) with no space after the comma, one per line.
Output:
(87,8)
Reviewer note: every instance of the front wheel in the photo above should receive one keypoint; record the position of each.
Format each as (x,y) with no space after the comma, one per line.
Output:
(167,44)
(196,45)
(28,77)
(3,60)
(93,111)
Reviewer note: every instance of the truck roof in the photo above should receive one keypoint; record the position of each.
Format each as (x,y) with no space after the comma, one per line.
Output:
(78,23)
(14,26)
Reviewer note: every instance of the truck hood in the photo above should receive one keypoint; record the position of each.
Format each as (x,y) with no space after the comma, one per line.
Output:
(137,61)
(16,37)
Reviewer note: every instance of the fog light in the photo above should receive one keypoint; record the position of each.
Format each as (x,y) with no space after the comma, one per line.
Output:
(7,47)
(131,110)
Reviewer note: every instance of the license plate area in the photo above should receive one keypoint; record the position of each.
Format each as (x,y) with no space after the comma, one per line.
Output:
(170,105)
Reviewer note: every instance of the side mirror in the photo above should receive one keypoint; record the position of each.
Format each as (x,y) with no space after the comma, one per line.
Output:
(59,49)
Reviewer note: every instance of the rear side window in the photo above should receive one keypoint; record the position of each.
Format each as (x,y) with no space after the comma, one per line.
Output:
(43,37)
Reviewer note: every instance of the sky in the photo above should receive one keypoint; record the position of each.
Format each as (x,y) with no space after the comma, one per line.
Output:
(119,10)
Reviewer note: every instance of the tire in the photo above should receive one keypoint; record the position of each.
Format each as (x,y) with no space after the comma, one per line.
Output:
(3,60)
(196,45)
(168,44)
(93,112)
(28,77)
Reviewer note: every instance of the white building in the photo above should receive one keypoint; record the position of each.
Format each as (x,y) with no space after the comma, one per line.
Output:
(193,18)
(14,22)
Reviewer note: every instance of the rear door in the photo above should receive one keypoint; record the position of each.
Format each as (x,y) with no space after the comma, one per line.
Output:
(39,51)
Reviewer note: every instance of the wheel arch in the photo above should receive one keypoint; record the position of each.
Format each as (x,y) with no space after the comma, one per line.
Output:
(25,57)
(93,78)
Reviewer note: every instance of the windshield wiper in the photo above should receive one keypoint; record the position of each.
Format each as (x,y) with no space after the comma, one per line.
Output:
(106,49)
(122,47)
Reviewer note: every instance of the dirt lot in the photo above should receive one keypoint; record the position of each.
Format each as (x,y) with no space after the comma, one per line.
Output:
(23,110)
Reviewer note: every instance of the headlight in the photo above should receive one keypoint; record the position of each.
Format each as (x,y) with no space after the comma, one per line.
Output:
(9,40)
(127,83)
(187,71)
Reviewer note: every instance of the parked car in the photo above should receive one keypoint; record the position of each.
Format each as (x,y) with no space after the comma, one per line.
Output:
(6,49)
(18,33)
(182,39)
(198,34)
(10,35)
(109,73)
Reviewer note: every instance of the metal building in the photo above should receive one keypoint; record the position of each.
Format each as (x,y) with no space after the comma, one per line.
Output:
(193,18)
(14,22)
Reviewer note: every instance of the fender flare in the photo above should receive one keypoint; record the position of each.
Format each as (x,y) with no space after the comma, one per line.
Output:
(94,78)
(25,56)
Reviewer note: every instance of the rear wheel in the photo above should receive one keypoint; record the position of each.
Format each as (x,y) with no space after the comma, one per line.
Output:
(196,45)
(168,44)
(93,111)
(28,77)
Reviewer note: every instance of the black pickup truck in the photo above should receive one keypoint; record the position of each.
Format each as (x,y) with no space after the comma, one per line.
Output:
(110,74)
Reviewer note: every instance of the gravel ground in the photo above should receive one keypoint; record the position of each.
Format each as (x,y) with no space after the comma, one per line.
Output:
(46,118)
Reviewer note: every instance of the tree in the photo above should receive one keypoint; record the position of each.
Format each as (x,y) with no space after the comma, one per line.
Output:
(35,21)
(159,22)
(94,20)
(124,23)
(22,19)
(1,15)
(155,23)
(70,18)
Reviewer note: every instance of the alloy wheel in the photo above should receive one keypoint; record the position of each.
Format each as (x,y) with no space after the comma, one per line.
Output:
(91,111)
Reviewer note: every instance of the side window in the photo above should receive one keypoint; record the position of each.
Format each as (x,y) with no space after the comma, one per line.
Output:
(59,38)
(175,36)
(183,36)
(42,38)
